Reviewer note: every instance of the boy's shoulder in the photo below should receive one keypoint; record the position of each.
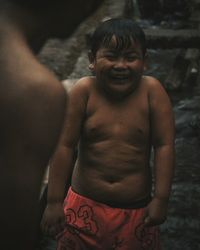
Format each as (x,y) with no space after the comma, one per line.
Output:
(151,82)
(84,84)
(152,85)
(81,89)
(156,91)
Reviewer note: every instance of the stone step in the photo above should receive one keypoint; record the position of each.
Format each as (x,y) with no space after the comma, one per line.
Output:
(168,39)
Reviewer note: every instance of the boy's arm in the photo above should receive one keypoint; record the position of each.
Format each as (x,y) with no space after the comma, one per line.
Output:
(62,164)
(162,130)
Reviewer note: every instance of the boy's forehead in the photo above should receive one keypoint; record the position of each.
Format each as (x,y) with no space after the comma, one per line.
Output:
(115,43)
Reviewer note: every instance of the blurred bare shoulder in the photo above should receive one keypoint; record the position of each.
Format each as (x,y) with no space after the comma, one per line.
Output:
(82,86)
(152,82)
(155,89)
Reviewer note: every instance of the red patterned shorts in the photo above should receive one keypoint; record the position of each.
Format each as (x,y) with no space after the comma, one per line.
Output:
(91,225)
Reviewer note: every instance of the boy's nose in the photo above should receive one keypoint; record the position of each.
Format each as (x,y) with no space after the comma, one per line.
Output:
(120,63)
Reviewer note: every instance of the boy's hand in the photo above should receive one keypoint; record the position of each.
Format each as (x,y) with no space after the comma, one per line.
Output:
(156,212)
(53,220)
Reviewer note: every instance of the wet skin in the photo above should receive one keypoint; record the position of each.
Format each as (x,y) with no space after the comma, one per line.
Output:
(114,149)
(114,118)
(114,144)
(118,72)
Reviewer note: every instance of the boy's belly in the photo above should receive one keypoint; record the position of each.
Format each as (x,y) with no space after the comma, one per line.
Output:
(113,173)
(124,193)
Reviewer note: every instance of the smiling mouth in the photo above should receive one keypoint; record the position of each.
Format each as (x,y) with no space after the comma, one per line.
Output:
(120,77)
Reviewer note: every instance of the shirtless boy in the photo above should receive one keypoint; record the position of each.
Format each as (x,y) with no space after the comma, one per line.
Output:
(115,118)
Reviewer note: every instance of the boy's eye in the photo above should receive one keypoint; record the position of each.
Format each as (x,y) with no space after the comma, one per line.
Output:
(131,57)
(110,56)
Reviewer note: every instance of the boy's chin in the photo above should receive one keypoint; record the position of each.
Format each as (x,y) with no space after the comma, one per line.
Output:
(123,87)
(119,92)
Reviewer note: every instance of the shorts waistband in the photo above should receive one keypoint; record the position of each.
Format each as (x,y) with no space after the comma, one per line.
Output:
(134,205)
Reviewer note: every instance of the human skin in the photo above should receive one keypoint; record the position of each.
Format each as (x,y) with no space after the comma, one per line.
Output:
(115,118)
(32,108)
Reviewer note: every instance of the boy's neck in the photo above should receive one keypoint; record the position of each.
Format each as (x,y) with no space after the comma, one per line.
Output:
(116,97)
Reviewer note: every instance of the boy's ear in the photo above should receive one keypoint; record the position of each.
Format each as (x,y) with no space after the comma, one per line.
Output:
(90,56)
(146,61)
(91,60)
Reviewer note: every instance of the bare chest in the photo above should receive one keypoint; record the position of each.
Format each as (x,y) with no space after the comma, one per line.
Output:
(126,122)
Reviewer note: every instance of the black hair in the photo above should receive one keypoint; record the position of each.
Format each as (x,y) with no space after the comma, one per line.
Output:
(125,30)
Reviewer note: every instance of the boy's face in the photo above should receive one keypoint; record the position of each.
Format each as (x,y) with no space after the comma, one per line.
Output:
(119,72)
